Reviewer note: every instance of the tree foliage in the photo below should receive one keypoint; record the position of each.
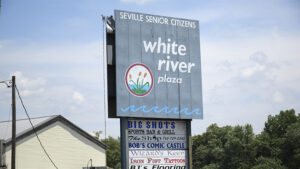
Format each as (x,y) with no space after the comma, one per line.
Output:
(268,163)
(237,147)
(113,152)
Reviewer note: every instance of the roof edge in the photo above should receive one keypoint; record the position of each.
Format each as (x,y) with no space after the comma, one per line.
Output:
(63,120)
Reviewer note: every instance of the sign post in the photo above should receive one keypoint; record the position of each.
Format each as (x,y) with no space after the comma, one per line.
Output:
(124,142)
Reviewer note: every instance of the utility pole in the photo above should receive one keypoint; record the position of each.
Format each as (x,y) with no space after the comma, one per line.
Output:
(13,138)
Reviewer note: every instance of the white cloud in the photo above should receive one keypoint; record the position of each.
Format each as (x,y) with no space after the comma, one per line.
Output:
(78,97)
(34,53)
(26,82)
(3,43)
(137,1)
(32,92)
(29,86)
(278,97)
(241,11)
(247,79)
(251,70)
(54,80)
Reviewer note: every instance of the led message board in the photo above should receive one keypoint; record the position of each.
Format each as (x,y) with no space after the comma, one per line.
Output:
(158,67)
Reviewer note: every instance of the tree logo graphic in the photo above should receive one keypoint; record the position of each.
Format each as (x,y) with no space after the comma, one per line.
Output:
(139,79)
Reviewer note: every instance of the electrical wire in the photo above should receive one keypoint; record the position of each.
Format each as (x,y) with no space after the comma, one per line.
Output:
(34,129)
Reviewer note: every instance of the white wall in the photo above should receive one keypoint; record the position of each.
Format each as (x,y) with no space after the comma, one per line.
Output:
(67,148)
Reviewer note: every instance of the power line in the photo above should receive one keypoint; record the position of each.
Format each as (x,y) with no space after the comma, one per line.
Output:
(34,129)
(30,118)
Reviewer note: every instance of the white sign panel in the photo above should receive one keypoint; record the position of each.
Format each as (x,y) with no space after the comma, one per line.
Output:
(157,144)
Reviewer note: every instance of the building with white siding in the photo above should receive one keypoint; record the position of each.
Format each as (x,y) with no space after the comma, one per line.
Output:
(68,146)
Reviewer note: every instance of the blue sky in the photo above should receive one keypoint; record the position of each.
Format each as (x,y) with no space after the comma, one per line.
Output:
(250,57)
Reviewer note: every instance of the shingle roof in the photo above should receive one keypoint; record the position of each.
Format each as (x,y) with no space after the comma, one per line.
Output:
(24,129)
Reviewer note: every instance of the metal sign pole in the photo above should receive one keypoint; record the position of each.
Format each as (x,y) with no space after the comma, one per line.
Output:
(190,143)
(124,142)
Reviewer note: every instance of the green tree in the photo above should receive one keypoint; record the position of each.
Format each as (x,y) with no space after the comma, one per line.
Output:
(277,125)
(264,146)
(239,148)
(268,163)
(113,152)
(291,146)
(97,134)
(208,147)
(224,147)
(280,139)
(211,166)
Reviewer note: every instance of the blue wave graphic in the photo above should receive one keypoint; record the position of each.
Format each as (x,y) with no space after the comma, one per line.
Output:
(165,110)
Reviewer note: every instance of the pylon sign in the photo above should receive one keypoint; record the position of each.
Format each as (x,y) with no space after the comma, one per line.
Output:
(158,67)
